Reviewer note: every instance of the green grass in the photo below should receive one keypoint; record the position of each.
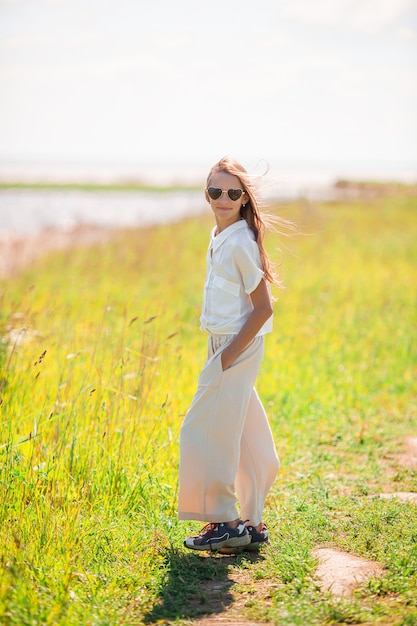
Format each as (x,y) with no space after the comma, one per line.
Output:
(101,363)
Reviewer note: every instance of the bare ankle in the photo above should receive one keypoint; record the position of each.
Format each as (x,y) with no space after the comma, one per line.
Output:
(233,524)
(259,527)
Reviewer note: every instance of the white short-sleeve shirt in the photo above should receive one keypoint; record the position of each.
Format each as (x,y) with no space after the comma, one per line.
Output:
(234,270)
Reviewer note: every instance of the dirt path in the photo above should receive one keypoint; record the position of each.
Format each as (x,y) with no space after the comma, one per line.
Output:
(222,601)
(408,458)
(338,572)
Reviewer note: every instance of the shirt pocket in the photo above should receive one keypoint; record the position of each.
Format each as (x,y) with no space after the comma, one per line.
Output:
(227,297)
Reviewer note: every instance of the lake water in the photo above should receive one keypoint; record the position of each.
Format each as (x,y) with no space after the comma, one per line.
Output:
(24,212)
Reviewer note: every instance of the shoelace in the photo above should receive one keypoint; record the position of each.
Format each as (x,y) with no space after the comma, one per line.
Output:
(208,529)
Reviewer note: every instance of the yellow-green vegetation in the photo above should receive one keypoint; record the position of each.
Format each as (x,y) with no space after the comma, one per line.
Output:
(100,357)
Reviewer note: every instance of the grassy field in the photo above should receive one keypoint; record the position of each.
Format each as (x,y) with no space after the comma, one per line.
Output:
(100,357)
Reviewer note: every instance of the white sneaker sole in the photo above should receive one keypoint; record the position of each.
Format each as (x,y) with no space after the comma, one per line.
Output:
(233,544)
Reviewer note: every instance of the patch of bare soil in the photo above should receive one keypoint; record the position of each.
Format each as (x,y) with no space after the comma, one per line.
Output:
(221,601)
(405,459)
(18,252)
(408,458)
(339,573)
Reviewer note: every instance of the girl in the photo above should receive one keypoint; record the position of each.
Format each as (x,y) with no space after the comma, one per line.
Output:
(226,445)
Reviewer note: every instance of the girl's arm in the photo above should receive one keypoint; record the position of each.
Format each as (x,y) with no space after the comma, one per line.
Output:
(262,310)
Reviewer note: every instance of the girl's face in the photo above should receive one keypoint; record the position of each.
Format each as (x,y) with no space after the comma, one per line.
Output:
(226,211)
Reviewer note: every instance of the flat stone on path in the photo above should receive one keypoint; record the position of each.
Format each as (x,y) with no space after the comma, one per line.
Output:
(339,572)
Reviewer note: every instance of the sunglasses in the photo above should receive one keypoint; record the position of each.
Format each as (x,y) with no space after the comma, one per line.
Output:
(215,193)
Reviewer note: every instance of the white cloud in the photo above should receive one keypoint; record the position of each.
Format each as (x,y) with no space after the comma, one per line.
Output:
(368,16)
(371,15)
(40,39)
(128,78)
(123,65)
(57,73)
(407,33)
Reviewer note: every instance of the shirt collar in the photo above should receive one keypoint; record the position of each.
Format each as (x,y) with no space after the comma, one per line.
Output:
(216,241)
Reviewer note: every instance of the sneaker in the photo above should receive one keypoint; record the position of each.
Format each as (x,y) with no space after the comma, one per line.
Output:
(216,536)
(257,537)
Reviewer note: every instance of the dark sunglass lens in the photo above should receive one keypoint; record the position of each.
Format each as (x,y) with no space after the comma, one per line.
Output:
(234,194)
(214,193)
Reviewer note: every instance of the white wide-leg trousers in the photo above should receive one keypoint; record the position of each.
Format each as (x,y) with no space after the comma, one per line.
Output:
(227,453)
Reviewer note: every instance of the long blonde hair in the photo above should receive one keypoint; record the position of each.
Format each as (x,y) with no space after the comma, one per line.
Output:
(257,222)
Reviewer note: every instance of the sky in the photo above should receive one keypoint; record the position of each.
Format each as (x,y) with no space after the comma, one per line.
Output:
(303,83)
